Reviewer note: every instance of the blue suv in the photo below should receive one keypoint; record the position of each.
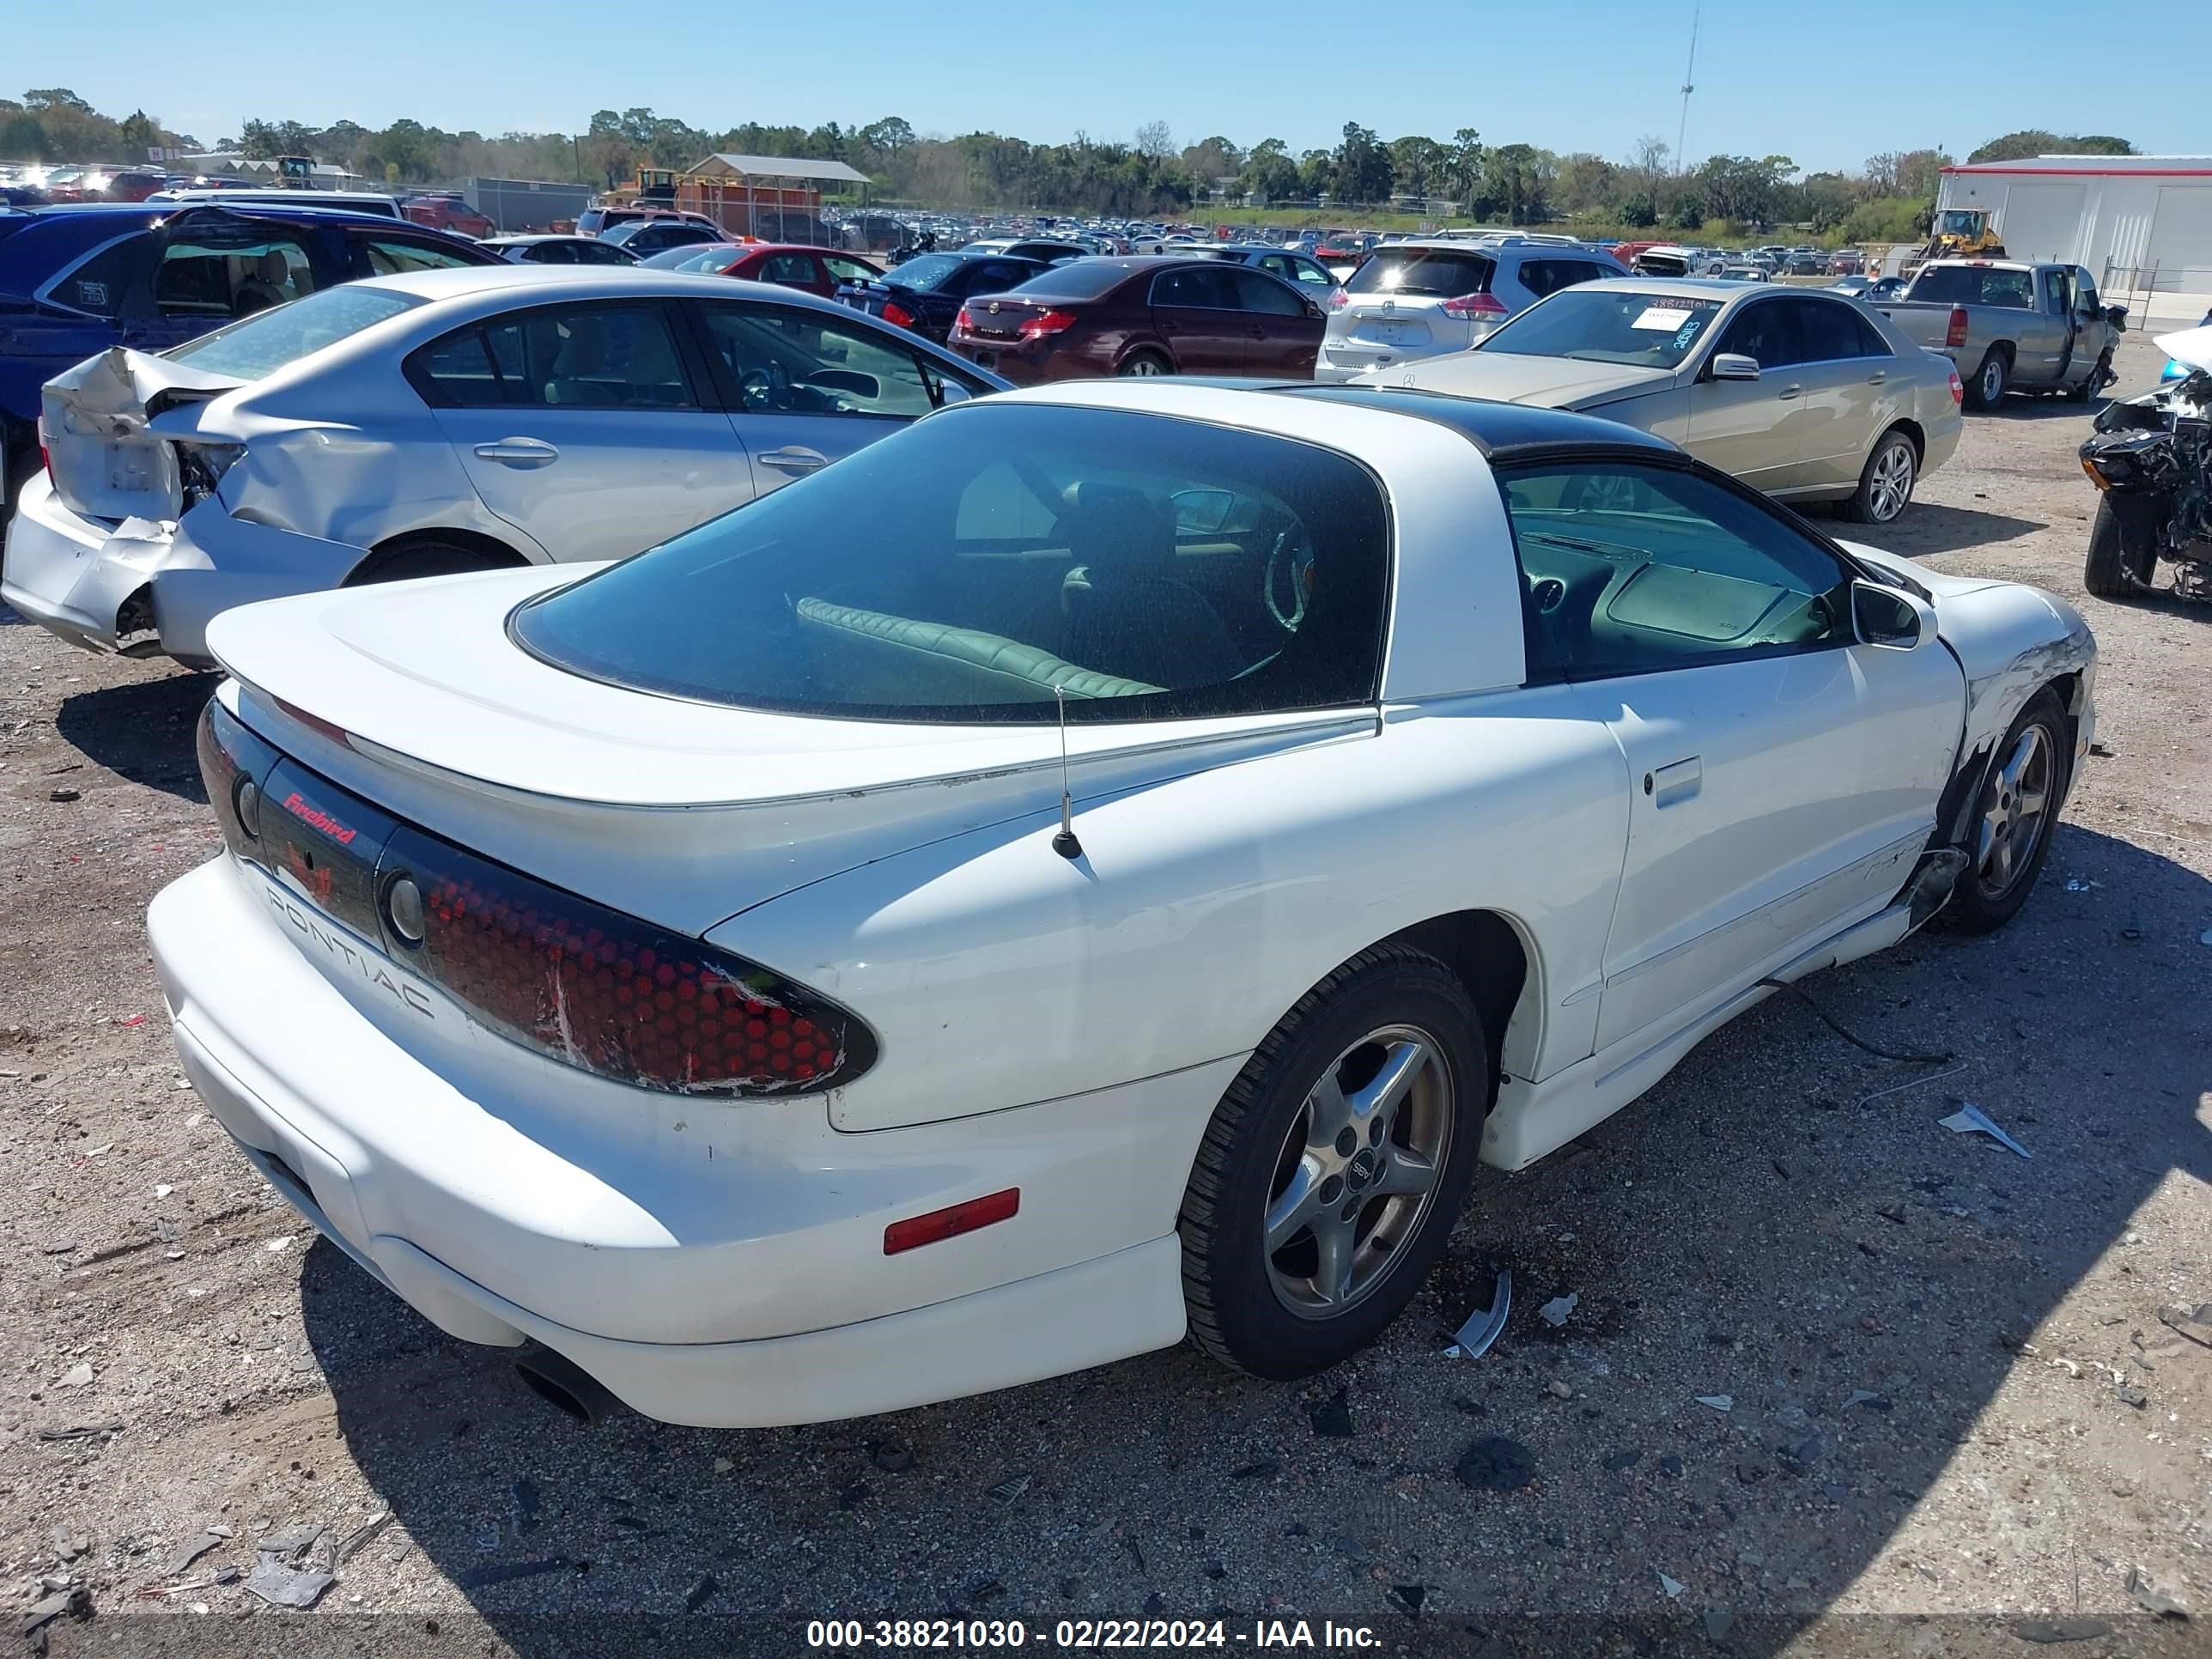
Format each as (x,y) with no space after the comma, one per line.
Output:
(74,281)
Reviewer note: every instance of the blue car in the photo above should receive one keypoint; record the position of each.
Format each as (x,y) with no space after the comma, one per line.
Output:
(74,281)
(924,293)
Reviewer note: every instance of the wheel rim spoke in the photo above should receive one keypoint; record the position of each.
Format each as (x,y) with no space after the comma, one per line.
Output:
(1330,1110)
(1297,1204)
(1333,1246)
(1406,1173)
(1392,1084)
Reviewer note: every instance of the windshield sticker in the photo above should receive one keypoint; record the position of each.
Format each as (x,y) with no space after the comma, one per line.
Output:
(1668,318)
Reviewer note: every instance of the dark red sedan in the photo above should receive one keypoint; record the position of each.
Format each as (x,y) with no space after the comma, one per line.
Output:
(811,269)
(1170,315)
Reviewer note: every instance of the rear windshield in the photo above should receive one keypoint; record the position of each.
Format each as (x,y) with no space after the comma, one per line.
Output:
(1445,274)
(927,271)
(962,569)
(1974,285)
(712,257)
(1641,328)
(1078,279)
(264,342)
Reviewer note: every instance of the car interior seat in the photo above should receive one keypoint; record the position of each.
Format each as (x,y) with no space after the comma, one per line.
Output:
(580,356)
(1126,610)
(272,274)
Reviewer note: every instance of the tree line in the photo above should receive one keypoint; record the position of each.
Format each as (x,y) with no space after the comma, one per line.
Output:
(1888,199)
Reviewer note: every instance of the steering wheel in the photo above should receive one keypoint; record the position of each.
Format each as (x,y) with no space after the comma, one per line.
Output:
(1300,561)
(767,387)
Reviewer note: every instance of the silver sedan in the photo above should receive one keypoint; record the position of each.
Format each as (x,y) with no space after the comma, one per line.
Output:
(429,423)
(1807,395)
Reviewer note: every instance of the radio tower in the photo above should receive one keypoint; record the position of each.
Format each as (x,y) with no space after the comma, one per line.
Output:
(1689,77)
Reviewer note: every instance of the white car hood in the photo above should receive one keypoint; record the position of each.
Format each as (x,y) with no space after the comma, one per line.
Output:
(1942,586)
(1502,377)
(2192,346)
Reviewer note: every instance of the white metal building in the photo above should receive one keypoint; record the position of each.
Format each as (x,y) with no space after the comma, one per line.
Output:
(2141,224)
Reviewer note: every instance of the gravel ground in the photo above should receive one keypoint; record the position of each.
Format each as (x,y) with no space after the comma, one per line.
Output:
(1953,1420)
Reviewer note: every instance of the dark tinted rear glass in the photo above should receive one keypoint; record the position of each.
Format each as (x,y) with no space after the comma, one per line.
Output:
(1974,285)
(1444,273)
(927,271)
(961,570)
(1078,279)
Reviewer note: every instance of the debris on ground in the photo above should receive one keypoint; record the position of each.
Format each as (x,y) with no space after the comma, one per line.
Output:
(2150,1598)
(2061,1630)
(84,1431)
(1971,1119)
(363,1536)
(189,1551)
(1484,1325)
(703,1592)
(1014,1487)
(288,1544)
(1407,1598)
(1332,1418)
(77,1376)
(1555,1312)
(285,1586)
(2129,1394)
(1673,1587)
(1717,1620)
(1495,1463)
(1719,1402)
(76,1601)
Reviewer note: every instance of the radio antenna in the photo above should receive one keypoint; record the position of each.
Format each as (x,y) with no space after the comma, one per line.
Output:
(1065,842)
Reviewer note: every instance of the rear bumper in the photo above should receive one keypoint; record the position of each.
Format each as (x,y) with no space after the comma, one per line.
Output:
(78,577)
(726,1272)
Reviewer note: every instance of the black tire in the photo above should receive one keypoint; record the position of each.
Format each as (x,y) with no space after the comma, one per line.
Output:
(423,555)
(2104,573)
(1992,379)
(2096,380)
(1876,500)
(1145,362)
(1981,903)
(1239,1312)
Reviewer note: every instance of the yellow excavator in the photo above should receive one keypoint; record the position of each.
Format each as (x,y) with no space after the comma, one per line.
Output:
(1963,234)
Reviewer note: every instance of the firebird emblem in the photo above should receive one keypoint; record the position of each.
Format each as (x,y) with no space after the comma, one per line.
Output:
(315,818)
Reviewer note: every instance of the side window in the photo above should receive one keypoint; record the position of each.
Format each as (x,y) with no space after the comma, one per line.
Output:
(1633,570)
(1829,331)
(1202,283)
(1767,332)
(1871,345)
(2085,291)
(97,283)
(800,362)
(1312,274)
(456,371)
(1256,291)
(1276,265)
(791,269)
(847,271)
(388,256)
(1539,277)
(224,277)
(571,356)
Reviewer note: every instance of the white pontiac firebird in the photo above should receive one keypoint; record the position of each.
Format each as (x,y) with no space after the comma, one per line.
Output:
(694,975)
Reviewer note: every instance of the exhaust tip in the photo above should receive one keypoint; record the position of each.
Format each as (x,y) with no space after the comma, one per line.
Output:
(557,1379)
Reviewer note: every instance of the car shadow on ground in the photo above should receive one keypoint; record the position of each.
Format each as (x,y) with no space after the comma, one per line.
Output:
(142,730)
(1781,1227)
(1926,527)
(2019,407)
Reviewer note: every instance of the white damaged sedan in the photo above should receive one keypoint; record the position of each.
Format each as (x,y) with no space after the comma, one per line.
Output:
(1102,864)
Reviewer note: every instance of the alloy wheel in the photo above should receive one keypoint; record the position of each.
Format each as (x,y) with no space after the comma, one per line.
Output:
(1892,484)
(1358,1170)
(2015,813)
(1993,379)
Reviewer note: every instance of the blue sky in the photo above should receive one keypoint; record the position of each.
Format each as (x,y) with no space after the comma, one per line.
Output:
(1825,83)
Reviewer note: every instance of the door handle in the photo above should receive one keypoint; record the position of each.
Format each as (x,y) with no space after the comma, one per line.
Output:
(524,452)
(1258,332)
(1788,391)
(1666,785)
(1877,379)
(794,459)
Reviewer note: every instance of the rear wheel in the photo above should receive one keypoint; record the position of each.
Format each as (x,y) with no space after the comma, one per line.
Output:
(1335,1165)
(424,556)
(1886,483)
(1145,362)
(2010,831)
(1992,380)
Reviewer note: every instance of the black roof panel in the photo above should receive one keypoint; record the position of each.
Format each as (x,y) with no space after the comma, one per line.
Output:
(1499,430)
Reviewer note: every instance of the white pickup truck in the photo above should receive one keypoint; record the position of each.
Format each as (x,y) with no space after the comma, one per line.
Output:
(2013,326)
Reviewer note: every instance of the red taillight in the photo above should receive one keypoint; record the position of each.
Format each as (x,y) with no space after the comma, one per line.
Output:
(1958,390)
(607,993)
(1338,299)
(964,321)
(898,315)
(1047,322)
(1475,307)
(950,1223)
(1956,335)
